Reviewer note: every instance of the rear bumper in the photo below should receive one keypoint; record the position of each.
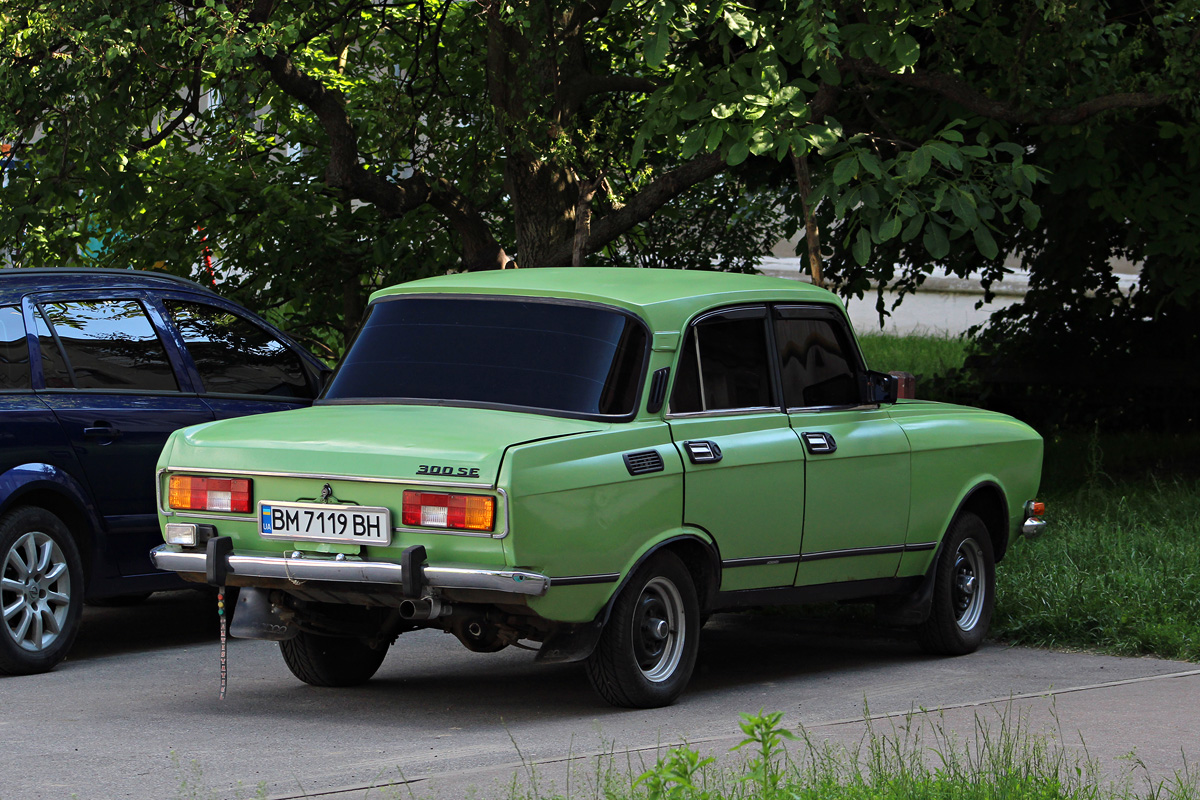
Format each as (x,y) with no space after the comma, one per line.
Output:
(347,569)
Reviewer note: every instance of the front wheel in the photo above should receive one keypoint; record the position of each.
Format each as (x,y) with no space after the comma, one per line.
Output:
(41,591)
(331,660)
(964,590)
(647,651)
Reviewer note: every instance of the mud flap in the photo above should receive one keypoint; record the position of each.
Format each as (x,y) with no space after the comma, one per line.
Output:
(255,617)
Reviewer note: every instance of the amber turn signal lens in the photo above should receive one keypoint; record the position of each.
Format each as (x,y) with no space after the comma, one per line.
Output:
(193,493)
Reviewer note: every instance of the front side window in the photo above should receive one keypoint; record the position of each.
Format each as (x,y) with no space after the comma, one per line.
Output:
(724,364)
(102,344)
(235,356)
(817,361)
(571,358)
(14,350)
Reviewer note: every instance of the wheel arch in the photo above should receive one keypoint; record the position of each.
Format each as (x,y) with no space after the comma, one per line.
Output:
(49,488)
(988,501)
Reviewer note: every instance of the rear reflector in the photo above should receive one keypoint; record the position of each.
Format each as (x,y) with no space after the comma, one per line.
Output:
(192,493)
(466,512)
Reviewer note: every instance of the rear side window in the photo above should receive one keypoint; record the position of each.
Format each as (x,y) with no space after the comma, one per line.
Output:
(235,356)
(102,344)
(724,364)
(14,350)
(816,359)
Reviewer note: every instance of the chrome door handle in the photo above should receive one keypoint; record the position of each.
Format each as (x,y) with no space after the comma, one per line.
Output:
(819,442)
(703,451)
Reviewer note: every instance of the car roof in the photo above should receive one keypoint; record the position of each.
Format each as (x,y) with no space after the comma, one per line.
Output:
(666,298)
(18,281)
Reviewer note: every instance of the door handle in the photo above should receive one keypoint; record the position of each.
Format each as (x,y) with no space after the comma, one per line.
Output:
(703,451)
(819,442)
(102,430)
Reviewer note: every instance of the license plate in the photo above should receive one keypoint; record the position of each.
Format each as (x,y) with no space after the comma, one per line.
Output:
(324,522)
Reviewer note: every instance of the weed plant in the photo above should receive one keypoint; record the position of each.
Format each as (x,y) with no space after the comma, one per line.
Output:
(1118,570)
(913,757)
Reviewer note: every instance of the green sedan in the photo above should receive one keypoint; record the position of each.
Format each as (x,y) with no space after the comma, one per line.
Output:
(588,462)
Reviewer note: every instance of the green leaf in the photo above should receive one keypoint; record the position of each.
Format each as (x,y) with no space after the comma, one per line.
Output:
(918,164)
(906,49)
(936,242)
(658,44)
(889,229)
(913,227)
(738,153)
(845,170)
(986,244)
(862,247)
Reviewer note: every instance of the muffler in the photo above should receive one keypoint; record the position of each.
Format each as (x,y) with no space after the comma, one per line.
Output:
(424,608)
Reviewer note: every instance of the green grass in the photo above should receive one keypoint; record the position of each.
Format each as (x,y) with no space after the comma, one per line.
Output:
(1118,570)
(923,356)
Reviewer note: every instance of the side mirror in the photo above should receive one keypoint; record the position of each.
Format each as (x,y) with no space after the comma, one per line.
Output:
(882,388)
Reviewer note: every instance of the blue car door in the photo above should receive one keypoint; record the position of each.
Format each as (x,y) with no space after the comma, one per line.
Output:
(117,390)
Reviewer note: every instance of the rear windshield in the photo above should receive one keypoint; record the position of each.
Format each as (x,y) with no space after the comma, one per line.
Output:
(573,359)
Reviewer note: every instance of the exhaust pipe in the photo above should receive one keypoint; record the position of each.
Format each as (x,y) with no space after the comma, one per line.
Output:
(424,608)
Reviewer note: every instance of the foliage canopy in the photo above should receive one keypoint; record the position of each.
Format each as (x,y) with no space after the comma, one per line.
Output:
(316,150)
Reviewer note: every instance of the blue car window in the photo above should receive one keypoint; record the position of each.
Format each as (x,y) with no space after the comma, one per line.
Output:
(108,344)
(235,356)
(14,351)
(56,373)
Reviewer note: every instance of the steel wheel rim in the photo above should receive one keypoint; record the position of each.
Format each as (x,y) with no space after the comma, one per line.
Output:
(658,630)
(35,592)
(969,586)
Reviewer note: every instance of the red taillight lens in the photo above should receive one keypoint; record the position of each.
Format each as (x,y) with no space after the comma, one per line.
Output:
(466,512)
(193,493)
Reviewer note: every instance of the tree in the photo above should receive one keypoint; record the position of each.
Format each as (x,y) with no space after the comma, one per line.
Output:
(365,141)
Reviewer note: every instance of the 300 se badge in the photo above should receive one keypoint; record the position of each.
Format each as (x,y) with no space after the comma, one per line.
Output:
(455,472)
(323,522)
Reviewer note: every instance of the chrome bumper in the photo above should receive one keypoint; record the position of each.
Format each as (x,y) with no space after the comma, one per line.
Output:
(1033,526)
(348,569)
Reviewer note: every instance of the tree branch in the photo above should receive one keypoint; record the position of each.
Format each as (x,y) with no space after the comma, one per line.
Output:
(959,91)
(642,205)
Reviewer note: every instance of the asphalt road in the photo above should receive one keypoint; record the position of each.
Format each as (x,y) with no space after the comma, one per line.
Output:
(134,712)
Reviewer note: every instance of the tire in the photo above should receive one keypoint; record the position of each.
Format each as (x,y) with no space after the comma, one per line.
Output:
(647,651)
(331,660)
(964,591)
(41,591)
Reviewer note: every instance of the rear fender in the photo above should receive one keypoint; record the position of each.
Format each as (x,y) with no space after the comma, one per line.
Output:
(694,547)
(51,488)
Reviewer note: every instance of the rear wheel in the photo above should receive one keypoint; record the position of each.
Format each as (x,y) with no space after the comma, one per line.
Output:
(41,591)
(964,592)
(331,660)
(647,651)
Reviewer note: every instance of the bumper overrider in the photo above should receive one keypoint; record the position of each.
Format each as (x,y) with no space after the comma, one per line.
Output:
(412,575)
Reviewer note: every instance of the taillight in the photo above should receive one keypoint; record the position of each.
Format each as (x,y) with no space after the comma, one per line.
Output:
(1035,508)
(193,493)
(467,512)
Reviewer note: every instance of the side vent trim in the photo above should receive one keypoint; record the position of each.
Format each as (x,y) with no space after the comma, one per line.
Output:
(643,462)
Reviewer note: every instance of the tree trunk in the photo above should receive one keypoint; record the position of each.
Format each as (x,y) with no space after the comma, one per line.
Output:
(544,198)
(812,234)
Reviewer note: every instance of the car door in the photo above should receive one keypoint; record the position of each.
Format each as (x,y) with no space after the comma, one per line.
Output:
(743,464)
(240,367)
(115,387)
(858,478)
